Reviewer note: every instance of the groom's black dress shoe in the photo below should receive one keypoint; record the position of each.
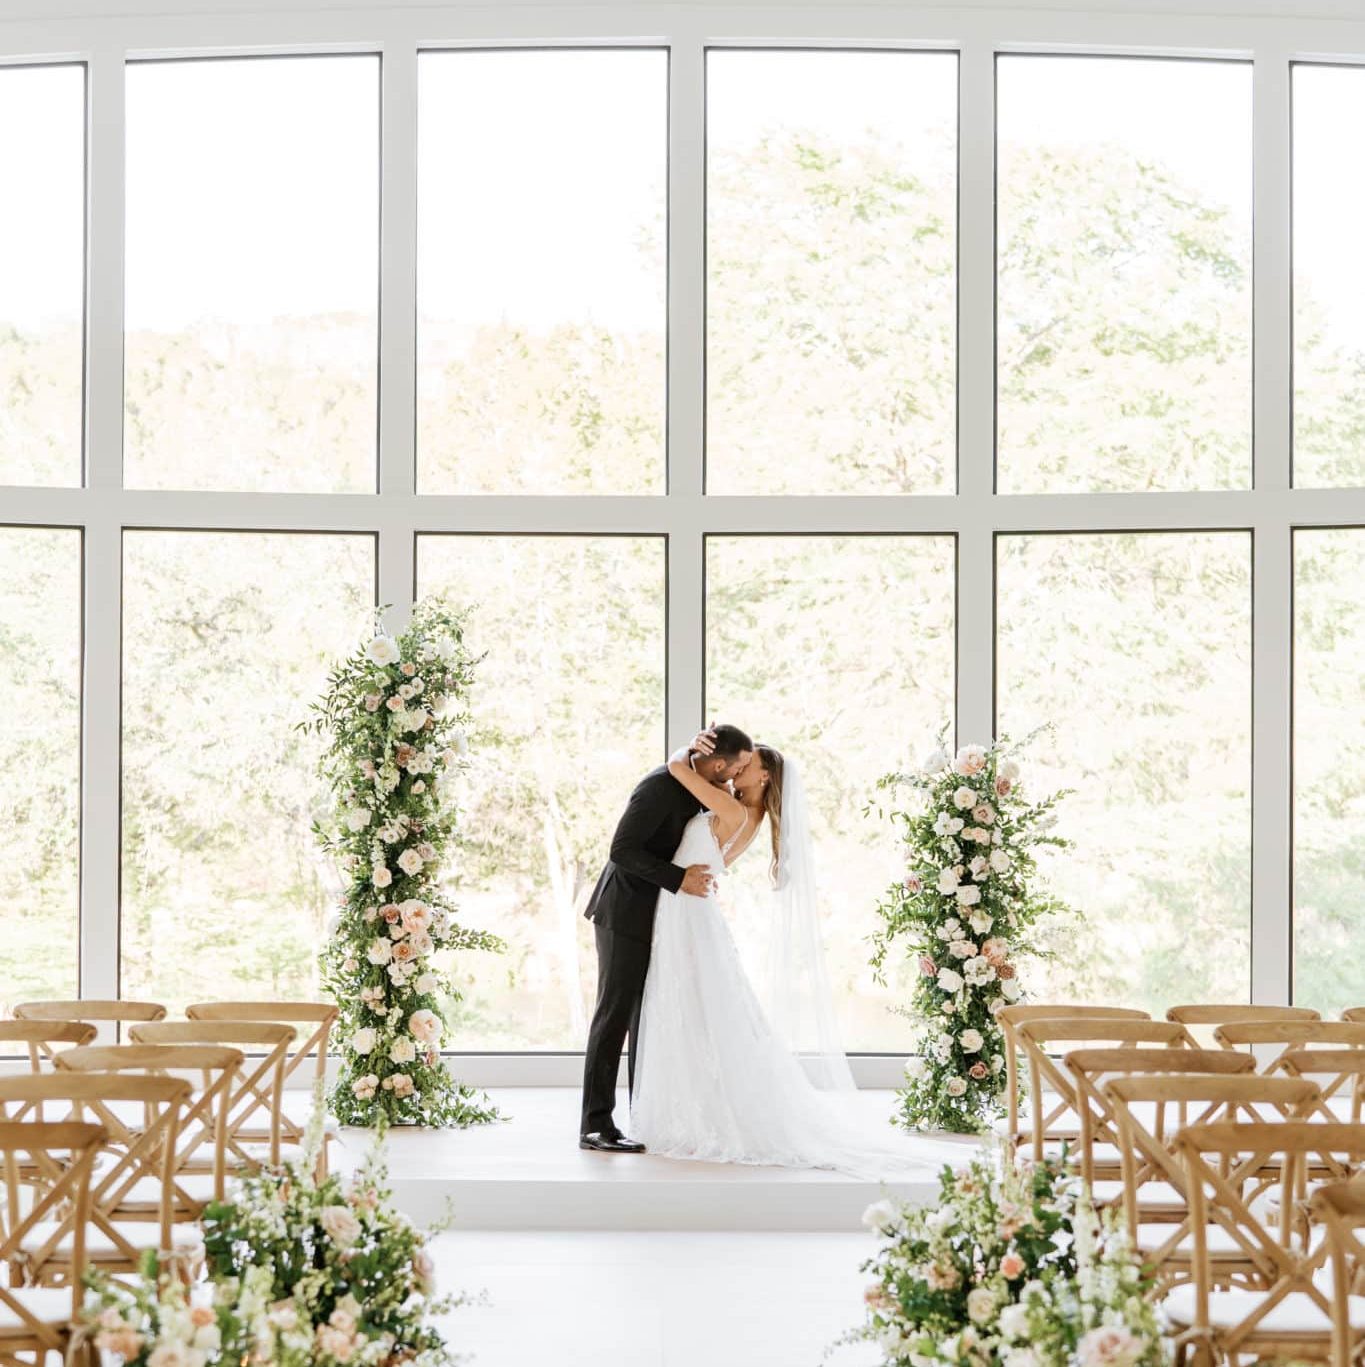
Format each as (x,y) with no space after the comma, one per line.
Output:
(609,1143)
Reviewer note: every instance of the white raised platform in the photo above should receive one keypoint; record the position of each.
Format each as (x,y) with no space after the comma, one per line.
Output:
(528,1173)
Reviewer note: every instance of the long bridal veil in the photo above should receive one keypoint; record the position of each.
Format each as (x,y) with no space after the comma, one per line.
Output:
(799,996)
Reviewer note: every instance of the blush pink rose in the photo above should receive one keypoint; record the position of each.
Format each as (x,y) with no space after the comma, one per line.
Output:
(1011,1266)
(927,966)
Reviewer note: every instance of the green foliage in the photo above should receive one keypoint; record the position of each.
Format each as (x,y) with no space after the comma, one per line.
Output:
(394,716)
(965,912)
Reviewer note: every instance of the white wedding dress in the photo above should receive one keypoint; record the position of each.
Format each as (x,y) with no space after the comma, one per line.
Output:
(712,1078)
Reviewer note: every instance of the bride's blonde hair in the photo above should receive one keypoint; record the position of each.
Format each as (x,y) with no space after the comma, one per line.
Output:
(772,762)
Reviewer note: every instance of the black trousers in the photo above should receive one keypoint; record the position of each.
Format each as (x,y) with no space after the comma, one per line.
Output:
(622,963)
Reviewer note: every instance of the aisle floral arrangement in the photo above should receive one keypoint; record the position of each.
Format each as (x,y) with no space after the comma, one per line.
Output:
(301,1273)
(965,910)
(394,715)
(1011,1266)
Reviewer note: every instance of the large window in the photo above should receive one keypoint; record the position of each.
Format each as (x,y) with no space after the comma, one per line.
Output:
(839,652)
(1329,276)
(570,708)
(227,640)
(1136,650)
(252,282)
(42,273)
(1329,774)
(848,388)
(541,271)
(40,758)
(1124,274)
(831,220)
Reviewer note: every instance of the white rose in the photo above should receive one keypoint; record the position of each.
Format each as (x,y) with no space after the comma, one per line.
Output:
(426,983)
(942,1047)
(1000,861)
(380,876)
(915,1067)
(1011,989)
(1014,1321)
(383,650)
(410,862)
(981,1305)
(948,881)
(425,1025)
(970,761)
(978,866)
(935,761)
(363,1041)
(1010,770)
(403,1050)
(968,895)
(970,1041)
(446,647)
(978,971)
(956,1086)
(961,949)
(980,922)
(380,950)
(358,818)
(881,1217)
(964,798)
(949,981)
(339,1224)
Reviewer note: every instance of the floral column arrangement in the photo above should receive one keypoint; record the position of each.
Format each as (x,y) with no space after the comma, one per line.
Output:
(394,715)
(966,910)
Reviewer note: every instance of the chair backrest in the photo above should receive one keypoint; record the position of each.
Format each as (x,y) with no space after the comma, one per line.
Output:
(89,1009)
(137,1146)
(1338,1073)
(1150,1111)
(1285,1259)
(204,1124)
(1090,1069)
(1353,1014)
(41,1039)
(1339,1207)
(1010,1018)
(64,1153)
(260,1088)
(1271,1036)
(320,1015)
(1203,1017)
(1048,1073)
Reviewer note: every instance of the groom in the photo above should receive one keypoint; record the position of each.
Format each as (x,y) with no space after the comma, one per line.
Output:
(622,909)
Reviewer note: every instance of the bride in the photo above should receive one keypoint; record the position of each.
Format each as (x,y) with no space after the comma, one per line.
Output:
(717,1077)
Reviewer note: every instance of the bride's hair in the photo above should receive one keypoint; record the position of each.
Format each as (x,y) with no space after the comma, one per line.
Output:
(771,760)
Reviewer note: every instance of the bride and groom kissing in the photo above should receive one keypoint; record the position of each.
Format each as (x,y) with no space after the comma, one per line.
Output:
(713,1074)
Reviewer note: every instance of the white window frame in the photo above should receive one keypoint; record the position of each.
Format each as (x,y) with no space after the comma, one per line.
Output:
(55,31)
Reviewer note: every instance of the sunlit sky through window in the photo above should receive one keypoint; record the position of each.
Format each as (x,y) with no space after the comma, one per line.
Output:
(231,164)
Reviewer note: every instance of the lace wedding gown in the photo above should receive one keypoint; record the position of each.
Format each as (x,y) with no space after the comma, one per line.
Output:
(712,1079)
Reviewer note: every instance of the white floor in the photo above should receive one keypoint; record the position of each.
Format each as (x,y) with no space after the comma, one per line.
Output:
(528,1173)
(656,1299)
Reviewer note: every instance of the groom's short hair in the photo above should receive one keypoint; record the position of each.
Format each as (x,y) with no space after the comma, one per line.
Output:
(730,741)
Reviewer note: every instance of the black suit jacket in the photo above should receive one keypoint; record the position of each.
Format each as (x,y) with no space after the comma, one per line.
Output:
(641,860)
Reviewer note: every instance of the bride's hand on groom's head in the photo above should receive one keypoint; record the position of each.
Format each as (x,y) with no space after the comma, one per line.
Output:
(704,742)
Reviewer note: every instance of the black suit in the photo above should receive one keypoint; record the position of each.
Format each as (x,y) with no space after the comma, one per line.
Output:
(622,907)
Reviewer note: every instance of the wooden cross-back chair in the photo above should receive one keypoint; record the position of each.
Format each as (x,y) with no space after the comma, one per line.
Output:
(1339,1207)
(1287,1312)
(1204,1017)
(133,1155)
(1055,1108)
(203,1126)
(1010,1017)
(1274,1038)
(1339,1073)
(311,1045)
(42,1041)
(1354,1014)
(38,1320)
(100,1012)
(260,1089)
(1098,1145)
(1149,1112)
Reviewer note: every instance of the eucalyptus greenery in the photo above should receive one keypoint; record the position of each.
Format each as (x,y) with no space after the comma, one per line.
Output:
(395,717)
(964,912)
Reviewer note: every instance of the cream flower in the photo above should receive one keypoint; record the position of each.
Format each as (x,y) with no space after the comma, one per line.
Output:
(402,1050)
(956,1086)
(968,895)
(425,1026)
(970,1041)
(970,761)
(358,818)
(339,1224)
(380,950)
(949,981)
(383,650)
(964,797)
(380,876)
(364,1040)
(948,880)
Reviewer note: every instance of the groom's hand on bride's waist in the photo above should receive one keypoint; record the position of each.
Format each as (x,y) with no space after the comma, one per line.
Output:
(698,881)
